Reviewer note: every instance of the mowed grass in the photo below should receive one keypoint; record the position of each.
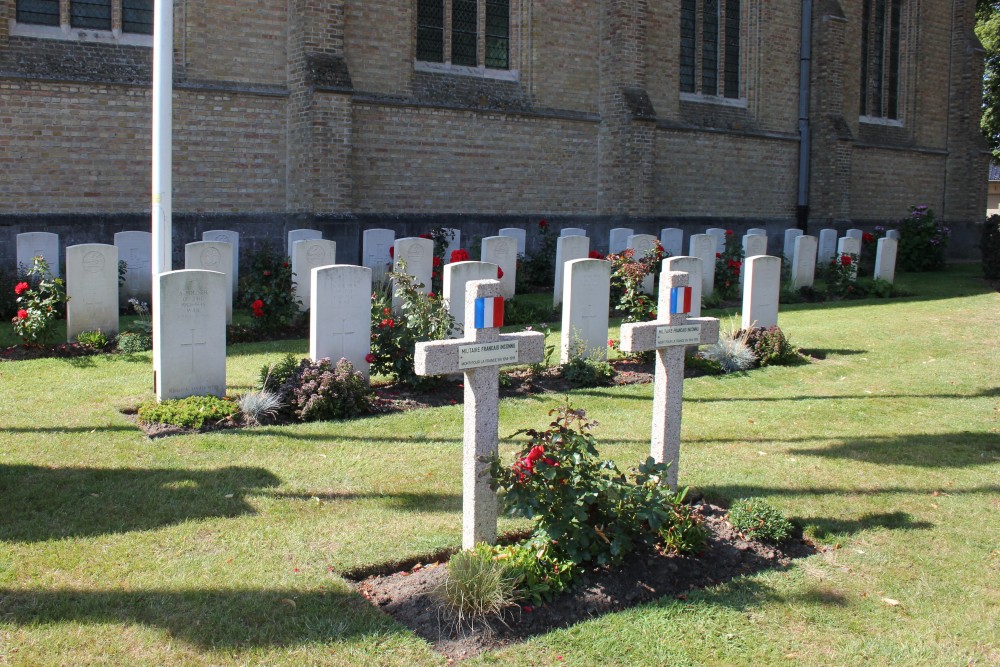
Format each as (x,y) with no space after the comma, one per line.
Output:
(224,548)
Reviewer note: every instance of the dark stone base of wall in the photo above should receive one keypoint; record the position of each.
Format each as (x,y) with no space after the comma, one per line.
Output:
(270,229)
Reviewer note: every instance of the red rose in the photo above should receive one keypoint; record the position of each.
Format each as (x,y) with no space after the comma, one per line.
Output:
(460,255)
(431,295)
(386,310)
(267,273)
(536,453)
(845,260)
(285,265)
(543,223)
(21,288)
(718,255)
(611,342)
(729,232)
(437,261)
(257,305)
(370,358)
(499,273)
(22,314)
(392,252)
(426,236)
(595,255)
(867,238)
(550,462)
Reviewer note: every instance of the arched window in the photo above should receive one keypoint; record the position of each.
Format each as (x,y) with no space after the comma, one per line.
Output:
(710,47)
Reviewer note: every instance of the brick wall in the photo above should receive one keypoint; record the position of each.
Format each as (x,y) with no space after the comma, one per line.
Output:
(213,51)
(885,183)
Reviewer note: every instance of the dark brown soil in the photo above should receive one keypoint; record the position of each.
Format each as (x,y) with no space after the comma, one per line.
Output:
(59,351)
(409,595)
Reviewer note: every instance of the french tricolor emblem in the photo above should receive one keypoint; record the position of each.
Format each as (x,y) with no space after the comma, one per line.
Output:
(489,312)
(680,300)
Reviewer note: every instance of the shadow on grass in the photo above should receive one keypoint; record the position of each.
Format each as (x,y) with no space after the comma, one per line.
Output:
(823,527)
(41,503)
(746,398)
(208,619)
(71,429)
(406,502)
(744,593)
(726,494)
(941,450)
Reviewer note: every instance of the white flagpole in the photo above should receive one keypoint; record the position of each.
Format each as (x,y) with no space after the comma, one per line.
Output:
(163,84)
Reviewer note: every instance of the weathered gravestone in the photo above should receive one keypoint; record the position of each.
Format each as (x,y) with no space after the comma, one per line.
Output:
(456,276)
(587,288)
(885,259)
(850,246)
(672,240)
(761,291)
(340,320)
(189,331)
(375,245)
(232,238)
(789,247)
(719,235)
(502,251)
(703,247)
(213,256)
(618,239)
(417,256)
(642,244)
(855,234)
(756,231)
(893,234)
(454,242)
(573,231)
(306,256)
(92,288)
(669,335)
(38,244)
(804,262)
(517,234)
(301,235)
(753,245)
(568,248)
(479,356)
(692,267)
(136,250)
(827,247)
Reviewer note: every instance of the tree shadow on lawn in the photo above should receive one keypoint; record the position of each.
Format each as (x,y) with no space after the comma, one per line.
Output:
(825,527)
(404,502)
(42,503)
(939,450)
(208,619)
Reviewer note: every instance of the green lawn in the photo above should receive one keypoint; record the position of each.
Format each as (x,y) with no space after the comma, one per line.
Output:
(223,548)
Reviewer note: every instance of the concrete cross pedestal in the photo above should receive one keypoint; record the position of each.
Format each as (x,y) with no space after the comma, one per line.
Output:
(479,356)
(669,336)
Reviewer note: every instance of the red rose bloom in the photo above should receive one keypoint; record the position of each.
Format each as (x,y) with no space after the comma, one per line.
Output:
(257,305)
(370,358)
(21,288)
(595,255)
(22,314)
(437,261)
(845,260)
(536,453)
(426,236)
(267,273)
(460,255)
(729,232)
(543,223)
(718,255)
(392,252)
(499,273)
(431,295)
(285,265)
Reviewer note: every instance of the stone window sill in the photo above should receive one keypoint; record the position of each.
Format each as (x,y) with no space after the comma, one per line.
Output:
(876,120)
(461,70)
(66,33)
(738,102)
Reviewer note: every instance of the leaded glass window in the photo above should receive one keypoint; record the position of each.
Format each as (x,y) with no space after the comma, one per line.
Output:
(498,34)
(137,16)
(880,56)
(464,24)
(90,14)
(430,30)
(710,47)
(452,31)
(39,12)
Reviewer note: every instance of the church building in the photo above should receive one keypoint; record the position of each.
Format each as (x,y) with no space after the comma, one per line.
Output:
(341,115)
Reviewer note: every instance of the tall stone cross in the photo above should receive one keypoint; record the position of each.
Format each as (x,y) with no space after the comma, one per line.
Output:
(479,356)
(669,335)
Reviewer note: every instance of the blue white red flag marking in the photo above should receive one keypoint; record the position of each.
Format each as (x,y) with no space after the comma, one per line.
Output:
(489,312)
(680,300)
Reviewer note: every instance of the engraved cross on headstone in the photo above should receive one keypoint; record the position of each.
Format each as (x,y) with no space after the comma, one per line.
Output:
(479,356)
(669,335)
(342,336)
(192,345)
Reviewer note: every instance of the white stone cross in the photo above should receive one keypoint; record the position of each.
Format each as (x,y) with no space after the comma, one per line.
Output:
(669,335)
(479,356)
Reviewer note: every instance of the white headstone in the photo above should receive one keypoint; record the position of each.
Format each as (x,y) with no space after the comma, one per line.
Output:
(827,247)
(454,242)
(456,276)
(301,235)
(854,234)
(692,267)
(568,248)
(761,291)
(720,237)
(669,335)
(306,256)
(479,356)
(789,247)
(502,251)
(804,261)
(213,256)
(136,249)
(618,239)
(850,246)
(92,288)
(703,247)
(672,240)
(38,244)
(587,288)
(417,254)
(756,231)
(375,251)
(233,238)
(753,245)
(573,231)
(893,234)
(516,233)
(189,328)
(885,259)
(340,319)
(642,244)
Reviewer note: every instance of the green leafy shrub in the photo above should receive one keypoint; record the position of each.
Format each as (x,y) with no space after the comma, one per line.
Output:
(587,372)
(922,241)
(95,339)
(584,508)
(8,298)
(40,302)
(478,586)
(134,342)
(272,376)
(770,346)
(990,246)
(757,519)
(267,289)
(700,364)
(727,268)
(684,531)
(537,272)
(190,412)
(841,277)
(423,317)
(542,574)
(627,275)
(143,322)
(321,390)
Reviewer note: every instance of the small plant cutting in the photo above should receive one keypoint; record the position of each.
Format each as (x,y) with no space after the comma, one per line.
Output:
(40,300)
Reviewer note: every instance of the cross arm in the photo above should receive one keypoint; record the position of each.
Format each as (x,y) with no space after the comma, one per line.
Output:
(441,357)
(641,336)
